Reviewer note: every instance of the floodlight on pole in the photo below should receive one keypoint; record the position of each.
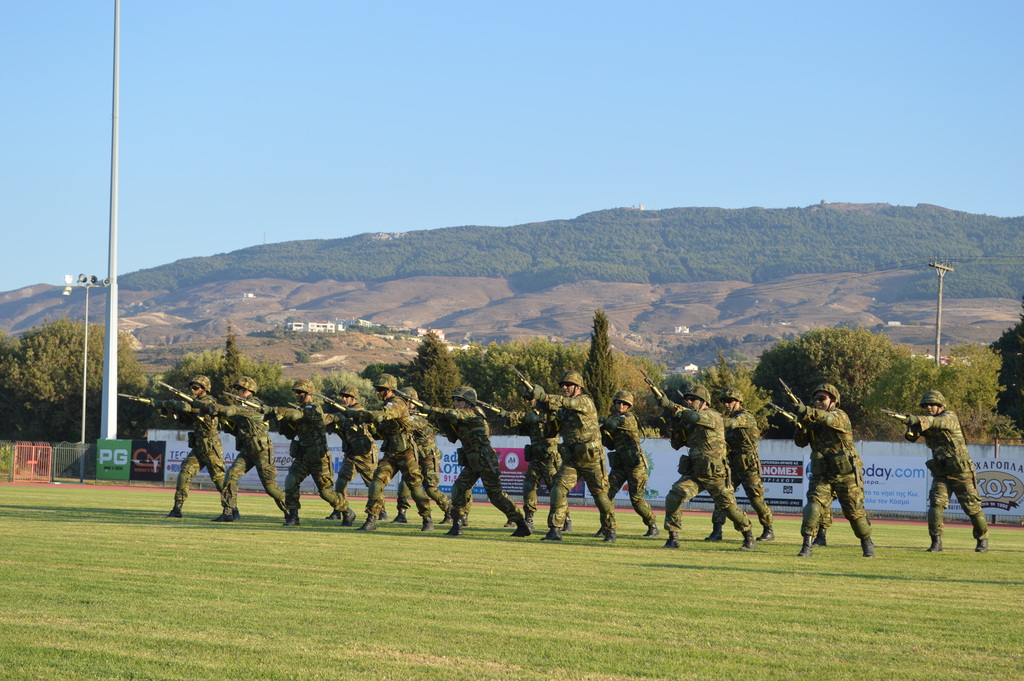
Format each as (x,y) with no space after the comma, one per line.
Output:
(87,283)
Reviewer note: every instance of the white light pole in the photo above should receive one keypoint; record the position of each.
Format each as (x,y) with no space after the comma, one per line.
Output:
(109,430)
(86,283)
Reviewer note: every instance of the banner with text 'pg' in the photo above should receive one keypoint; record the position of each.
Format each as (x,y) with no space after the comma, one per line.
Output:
(113,459)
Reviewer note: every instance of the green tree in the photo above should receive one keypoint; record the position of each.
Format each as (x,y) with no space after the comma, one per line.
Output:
(851,359)
(725,374)
(1010,346)
(41,383)
(599,370)
(232,357)
(213,364)
(433,371)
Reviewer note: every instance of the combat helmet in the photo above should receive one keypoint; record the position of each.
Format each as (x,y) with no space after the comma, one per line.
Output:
(624,396)
(572,378)
(202,380)
(731,393)
(465,393)
(700,392)
(247,383)
(411,392)
(349,391)
(303,385)
(386,381)
(933,397)
(829,390)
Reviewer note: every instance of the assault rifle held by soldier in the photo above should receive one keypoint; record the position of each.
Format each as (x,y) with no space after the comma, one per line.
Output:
(789,393)
(897,415)
(788,415)
(654,389)
(136,398)
(183,395)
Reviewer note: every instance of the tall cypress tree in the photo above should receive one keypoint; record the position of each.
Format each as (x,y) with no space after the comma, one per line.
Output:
(599,371)
(433,373)
(232,359)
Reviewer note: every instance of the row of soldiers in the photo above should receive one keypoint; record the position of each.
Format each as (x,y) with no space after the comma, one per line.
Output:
(567,442)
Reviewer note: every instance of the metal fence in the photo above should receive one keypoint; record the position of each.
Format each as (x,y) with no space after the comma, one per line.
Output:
(47,462)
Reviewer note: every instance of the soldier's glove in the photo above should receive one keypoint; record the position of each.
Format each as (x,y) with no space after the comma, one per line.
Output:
(538,392)
(912,422)
(266,409)
(503,413)
(800,409)
(665,403)
(207,408)
(176,405)
(159,404)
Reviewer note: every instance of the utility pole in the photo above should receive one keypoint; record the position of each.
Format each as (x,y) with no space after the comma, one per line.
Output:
(940,269)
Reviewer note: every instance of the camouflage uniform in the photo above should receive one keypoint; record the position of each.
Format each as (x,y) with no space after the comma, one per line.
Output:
(741,437)
(952,471)
(395,427)
(360,449)
(582,456)
(541,453)
(628,462)
(478,459)
(835,467)
(429,456)
(705,468)
(252,439)
(310,456)
(204,441)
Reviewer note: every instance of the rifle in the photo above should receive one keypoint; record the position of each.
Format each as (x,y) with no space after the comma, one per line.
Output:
(788,415)
(136,398)
(527,383)
(490,407)
(188,398)
(243,401)
(654,389)
(789,393)
(412,400)
(897,415)
(337,405)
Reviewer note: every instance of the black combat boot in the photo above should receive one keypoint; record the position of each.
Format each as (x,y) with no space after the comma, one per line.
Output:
(510,523)
(529,520)
(982,546)
(428,524)
(652,530)
(369,525)
(382,516)
(808,548)
(600,533)
(292,519)
(522,529)
(334,516)
(348,516)
(673,540)
(749,544)
(225,517)
(716,533)
(567,527)
(609,536)
(235,515)
(767,535)
(554,534)
(465,521)
(936,544)
(400,518)
(456,528)
(447,517)
(175,512)
(868,546)
(820,539)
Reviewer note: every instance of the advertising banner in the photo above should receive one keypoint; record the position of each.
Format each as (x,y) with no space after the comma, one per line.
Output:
(113,459)
(895,483)
(1001,485)
(147,461)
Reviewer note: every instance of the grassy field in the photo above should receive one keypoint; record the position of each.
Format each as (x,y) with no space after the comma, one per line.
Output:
(96,584)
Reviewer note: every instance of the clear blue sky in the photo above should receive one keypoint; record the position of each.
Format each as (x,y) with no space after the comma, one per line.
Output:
(250,120)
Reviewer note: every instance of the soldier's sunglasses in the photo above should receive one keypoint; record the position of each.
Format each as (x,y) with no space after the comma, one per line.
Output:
(195,387)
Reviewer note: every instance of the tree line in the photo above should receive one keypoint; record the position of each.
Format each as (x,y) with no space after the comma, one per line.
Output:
(41,379)
(647,246)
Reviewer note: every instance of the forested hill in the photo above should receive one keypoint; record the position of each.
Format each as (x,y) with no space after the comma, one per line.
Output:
(656,246)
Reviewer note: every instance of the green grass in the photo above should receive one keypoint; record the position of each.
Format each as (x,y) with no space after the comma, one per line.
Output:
(96,584)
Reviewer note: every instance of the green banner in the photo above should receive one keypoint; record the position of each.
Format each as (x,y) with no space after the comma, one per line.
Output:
(113,459)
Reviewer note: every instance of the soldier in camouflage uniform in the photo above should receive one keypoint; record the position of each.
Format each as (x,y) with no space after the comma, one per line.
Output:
(802,437)
(541,454)
(424,435)
(627,461)
(951,468)
(741,438)
(581,452)
(309,451)
(358,442)
(467,423)
(204,440)
(705,468)
(835,467)
(252,440)
(395,427)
